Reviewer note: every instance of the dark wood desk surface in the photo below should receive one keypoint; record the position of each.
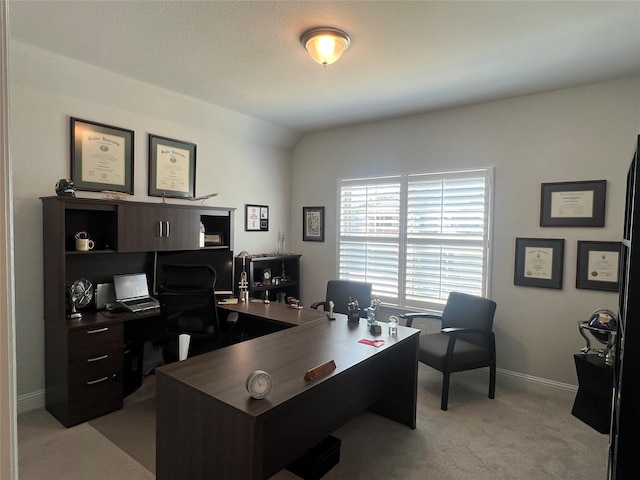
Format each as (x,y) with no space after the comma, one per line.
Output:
(209,427)
(275,312)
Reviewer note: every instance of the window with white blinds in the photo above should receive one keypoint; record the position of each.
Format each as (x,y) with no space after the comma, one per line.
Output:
(417,237)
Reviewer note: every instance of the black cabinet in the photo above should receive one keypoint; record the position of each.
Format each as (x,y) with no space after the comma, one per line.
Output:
(624,461)
(595,387)
(275,276)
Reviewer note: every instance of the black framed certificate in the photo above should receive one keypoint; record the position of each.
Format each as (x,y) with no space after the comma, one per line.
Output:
(101,157)
(573,204)
(539,262)
(172,168)
(598,265)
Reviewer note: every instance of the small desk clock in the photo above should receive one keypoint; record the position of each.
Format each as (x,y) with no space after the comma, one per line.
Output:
(259,384)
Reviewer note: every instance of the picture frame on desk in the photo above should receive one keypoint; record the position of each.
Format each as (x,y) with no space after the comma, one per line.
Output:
(598,265)
(101,157)
(573,204)
(172,168)
(256,218)
(539,262)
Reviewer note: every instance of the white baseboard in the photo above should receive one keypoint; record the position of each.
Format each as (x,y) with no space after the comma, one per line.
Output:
(30,401)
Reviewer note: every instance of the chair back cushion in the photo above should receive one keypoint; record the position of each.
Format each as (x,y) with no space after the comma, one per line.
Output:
(342,291)
(469,311)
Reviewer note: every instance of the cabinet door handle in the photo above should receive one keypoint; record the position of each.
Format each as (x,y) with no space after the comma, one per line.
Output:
(166,234)
(100,380)
(97,330)
(159,229)
(96,359)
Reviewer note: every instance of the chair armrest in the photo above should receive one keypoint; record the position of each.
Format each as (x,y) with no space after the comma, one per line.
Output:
(317,304)
(458,331)
(410,316)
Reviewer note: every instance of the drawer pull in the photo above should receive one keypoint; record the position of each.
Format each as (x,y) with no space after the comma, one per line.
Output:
(95,359)
(100,380)
(98,330)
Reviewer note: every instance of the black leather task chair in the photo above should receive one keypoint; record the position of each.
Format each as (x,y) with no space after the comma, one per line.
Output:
(341,292)
(466,340)
(188,306)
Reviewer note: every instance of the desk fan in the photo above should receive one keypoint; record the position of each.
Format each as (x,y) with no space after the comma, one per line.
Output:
(80,295)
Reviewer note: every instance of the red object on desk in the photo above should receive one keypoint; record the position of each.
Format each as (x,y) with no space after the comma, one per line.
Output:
(374,343)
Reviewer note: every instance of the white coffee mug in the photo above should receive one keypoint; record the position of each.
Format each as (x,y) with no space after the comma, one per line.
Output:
(84,244)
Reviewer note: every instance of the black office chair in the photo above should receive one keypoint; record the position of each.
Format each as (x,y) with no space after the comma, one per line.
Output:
(188,306)
(465,342)
(341,292)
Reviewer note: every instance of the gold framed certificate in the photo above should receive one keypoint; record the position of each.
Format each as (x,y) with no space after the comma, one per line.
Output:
(101,157)
(539,262)
(172,168)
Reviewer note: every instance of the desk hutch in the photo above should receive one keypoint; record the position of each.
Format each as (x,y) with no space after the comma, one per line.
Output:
(84,357)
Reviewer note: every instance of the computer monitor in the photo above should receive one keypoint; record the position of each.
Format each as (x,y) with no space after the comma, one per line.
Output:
(220,260)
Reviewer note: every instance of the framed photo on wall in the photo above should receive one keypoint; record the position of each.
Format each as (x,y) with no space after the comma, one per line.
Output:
(598,265)
(313,224)
(172,168)
(101,157)
(256,218)
(573,204)
(539,262)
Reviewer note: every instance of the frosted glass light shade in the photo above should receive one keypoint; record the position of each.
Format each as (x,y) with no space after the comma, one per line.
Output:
(325,45)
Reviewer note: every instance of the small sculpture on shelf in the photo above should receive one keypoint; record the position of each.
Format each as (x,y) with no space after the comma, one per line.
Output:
(602,325)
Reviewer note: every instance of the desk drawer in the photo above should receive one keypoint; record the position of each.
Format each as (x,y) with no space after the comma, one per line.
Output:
(95,341)
(95,397)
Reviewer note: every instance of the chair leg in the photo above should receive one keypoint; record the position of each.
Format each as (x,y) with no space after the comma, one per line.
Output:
(445,391)
(492,381)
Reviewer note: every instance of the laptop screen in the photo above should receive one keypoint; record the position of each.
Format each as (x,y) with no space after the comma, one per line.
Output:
(129,286)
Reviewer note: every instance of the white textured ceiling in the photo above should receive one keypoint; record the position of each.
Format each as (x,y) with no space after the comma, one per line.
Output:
(406,57)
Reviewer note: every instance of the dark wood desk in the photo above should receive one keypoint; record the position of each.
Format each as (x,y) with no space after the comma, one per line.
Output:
(209,427)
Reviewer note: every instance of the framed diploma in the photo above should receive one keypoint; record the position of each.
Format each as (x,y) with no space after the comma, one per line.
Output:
(101,157)
(598,265)
(539,262)
(172,168)
(313,224)
(256,218)
(573,204)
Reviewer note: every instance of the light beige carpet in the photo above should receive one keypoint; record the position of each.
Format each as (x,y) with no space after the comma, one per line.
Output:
(519,435)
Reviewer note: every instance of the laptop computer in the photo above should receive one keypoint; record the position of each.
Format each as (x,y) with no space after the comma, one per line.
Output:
(132,292)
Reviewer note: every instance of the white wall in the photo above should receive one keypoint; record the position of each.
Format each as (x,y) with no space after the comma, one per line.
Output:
(243,159)
(585,133)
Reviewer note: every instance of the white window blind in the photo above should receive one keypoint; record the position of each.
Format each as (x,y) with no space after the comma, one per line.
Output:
(417,237)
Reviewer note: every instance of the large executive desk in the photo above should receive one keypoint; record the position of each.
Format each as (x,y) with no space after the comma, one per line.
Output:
(209,427)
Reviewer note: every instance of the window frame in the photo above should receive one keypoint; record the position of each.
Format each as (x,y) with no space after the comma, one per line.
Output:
(403,242)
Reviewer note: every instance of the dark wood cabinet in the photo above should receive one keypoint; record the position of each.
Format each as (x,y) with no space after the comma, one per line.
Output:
(85,357)
(624,461)
(283,272)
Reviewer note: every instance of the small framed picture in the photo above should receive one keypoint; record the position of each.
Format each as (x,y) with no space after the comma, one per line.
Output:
(101,157)
(598,265)
(313,224)
(256,218)
(213,239)
(172,168)
(573,204)
(539,262)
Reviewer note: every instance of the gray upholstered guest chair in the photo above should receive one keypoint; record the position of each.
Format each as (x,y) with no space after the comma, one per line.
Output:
(465,342)
(341,292)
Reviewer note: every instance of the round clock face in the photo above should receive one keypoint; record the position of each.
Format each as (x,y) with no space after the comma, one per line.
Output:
(259,384)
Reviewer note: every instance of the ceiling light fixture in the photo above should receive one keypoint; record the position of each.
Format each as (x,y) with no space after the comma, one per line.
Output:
(325,45)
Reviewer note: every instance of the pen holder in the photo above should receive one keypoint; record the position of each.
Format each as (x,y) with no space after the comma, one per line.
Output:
(354,315)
